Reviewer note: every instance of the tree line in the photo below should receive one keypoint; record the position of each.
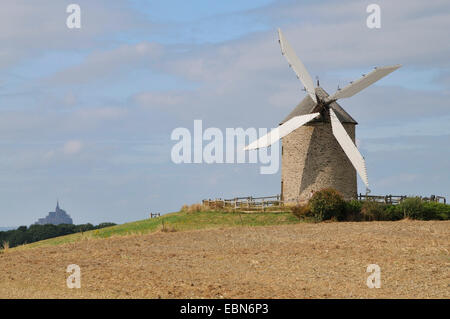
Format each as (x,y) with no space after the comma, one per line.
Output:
(26,235)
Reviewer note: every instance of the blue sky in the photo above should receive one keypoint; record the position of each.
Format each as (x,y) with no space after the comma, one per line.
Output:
(86,115)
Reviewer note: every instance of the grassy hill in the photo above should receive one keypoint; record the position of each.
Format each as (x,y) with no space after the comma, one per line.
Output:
(179,221)
(199,217)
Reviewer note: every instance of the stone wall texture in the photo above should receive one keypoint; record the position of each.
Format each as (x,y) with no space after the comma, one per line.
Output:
(312,159)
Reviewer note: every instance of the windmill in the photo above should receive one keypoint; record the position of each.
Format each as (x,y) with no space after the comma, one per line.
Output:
(318,148)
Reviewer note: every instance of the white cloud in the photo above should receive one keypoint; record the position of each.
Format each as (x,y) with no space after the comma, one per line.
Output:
(72,147)
(158,99)
(29,29)
(104,63)
(69,99)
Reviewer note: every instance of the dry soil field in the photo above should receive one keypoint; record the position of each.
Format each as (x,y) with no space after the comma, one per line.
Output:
(326,260)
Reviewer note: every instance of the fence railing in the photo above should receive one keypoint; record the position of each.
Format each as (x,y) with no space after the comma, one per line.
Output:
(397,199)
(246,203)
(435,198)
(387,199)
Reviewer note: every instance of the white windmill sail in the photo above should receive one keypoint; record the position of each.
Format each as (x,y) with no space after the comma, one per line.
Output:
(297,66)
(363,82)
(281,131)
(349,147)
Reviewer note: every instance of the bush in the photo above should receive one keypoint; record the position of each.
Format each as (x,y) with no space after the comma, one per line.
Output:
(392,212)
(416,208)
(5,246)
(353,210)
(412,207)
(372,210)
(327,203)
(433,210)
(301,211)
(104,225)
(194,208)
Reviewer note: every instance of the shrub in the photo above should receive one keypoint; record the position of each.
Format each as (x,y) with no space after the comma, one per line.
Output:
(372,210)
(194,208)
(301,211)
(5,246)
(327,203)
(412,207)
(353,210)
(416,208)
(433,210)
(104,225)
(392,212)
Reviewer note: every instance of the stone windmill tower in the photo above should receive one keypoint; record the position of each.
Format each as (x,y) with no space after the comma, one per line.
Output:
(318,137)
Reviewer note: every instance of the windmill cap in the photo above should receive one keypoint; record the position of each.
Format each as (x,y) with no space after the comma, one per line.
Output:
(307,105)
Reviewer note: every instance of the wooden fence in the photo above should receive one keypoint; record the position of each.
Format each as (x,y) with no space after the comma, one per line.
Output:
(249,203)
(397,199)
(435,198)
(387,199)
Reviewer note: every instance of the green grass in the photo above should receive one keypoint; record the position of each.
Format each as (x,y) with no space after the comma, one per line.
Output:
(180,221)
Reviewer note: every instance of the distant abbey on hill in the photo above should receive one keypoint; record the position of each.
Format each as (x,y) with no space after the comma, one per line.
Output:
(59,216)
